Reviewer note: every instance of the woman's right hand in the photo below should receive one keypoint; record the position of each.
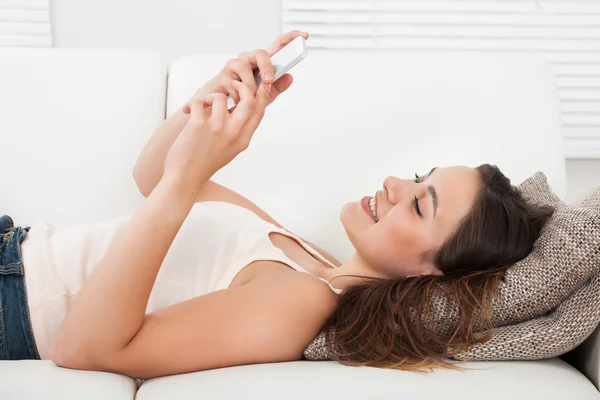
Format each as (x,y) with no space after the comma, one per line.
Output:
(213,136)
(241,69)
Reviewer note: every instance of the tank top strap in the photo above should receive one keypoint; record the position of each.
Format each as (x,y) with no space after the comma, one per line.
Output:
(286,260)
(302,243)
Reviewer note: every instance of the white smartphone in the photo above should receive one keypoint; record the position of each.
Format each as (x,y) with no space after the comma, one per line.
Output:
(283,61)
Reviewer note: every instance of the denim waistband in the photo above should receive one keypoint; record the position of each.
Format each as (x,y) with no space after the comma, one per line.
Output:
(17,341)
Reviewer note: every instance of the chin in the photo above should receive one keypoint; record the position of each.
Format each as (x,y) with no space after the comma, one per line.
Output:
(346,214)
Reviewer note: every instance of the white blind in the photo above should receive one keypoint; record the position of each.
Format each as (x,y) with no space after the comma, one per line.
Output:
(25,23)
(565,32)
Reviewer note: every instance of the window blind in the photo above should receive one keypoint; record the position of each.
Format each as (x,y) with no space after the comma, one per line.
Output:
(565,32)
(25,23)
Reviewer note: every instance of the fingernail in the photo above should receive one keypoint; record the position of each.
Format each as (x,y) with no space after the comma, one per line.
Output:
(268,76)
(268,88)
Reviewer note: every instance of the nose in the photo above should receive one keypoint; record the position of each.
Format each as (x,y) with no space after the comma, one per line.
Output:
(394,188)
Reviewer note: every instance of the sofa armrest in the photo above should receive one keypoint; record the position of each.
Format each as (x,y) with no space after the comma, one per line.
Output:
(586,358)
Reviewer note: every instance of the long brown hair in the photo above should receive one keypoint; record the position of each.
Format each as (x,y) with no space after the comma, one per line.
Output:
(387,323)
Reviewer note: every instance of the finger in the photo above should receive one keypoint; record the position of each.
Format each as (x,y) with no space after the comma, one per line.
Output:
(261,59)
(218,102)
(263,96)
(227,84)
(260,62)
(262,101)
(197,110)
(284,39)
(281,85)
(244,71)
(244,108)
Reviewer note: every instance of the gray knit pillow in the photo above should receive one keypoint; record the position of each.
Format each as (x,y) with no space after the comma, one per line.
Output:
(557,332)
(546,304)
(591,200)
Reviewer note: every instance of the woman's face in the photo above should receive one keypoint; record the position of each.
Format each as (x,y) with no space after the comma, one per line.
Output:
(415,218)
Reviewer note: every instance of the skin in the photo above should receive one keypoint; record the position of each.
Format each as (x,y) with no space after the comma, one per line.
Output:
(99,333)
(403,243)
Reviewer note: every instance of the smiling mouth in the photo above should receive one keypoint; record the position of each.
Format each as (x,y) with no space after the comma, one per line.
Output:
(373,208)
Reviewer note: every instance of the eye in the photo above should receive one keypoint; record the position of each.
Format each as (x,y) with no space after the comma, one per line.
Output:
(416,207)
(417,178)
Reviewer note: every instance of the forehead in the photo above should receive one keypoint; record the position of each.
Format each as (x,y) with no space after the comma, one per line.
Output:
(456,189)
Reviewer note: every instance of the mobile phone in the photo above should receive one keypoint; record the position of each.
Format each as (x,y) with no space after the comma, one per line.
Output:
(283,61)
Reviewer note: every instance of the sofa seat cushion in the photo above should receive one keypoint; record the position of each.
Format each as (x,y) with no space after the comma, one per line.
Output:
(548,379)
(42,379)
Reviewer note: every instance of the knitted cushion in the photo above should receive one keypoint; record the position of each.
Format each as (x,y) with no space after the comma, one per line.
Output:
(591,200)
(556,333)
(547,303)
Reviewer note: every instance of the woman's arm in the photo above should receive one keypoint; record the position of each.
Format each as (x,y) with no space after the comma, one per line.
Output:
(109,310)
(149,167)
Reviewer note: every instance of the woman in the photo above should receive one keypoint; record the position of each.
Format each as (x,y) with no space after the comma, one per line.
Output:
(201,278)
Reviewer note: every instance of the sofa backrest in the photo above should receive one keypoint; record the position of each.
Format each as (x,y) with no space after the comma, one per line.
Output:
(72,123)
(352,119)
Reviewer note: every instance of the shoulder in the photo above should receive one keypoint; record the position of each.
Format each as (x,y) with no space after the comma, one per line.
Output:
(295,285)
(301,299)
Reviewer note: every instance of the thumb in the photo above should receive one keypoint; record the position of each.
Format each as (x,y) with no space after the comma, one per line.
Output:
(281,85)
(263,96)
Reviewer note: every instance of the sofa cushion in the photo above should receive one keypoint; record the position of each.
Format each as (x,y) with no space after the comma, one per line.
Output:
(571,322)
(42,379)
(73,123)
(300,380)
(586,357)
(591,200)
(559,276)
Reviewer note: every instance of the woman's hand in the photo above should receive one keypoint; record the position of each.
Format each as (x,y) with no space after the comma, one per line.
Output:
(241,69)
(213,136)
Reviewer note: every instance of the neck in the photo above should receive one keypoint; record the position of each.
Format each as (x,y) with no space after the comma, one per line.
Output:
(355,266)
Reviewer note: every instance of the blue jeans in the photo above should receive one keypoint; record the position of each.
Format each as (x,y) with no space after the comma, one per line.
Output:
(16,335)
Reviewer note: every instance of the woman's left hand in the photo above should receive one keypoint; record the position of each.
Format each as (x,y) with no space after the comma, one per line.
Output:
(241,69)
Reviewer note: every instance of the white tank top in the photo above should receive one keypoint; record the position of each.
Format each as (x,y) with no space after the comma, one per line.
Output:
(216,241)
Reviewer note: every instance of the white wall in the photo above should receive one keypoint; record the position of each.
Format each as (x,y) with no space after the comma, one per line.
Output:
(171,27)
(177,27)
(582,175)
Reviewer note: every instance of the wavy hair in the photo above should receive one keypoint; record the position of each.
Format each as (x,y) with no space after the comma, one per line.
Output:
(388,324)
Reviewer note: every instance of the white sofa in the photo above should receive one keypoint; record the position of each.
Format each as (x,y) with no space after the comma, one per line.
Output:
(72,123)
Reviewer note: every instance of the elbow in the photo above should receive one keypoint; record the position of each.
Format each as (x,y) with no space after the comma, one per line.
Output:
(73,359)
(139,182)
(70,357)
(63,357)
(89,361)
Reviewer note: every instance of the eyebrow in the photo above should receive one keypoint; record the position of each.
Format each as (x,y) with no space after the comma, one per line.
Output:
(433,193)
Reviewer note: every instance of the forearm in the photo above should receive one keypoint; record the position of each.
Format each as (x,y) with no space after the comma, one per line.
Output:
(110,308)
(150,163)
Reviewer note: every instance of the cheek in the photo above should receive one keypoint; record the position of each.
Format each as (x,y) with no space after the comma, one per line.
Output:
(394,238)
(395,235)
(401,226)
(406,237)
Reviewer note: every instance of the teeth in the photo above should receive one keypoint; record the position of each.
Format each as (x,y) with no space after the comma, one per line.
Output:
(373,211)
